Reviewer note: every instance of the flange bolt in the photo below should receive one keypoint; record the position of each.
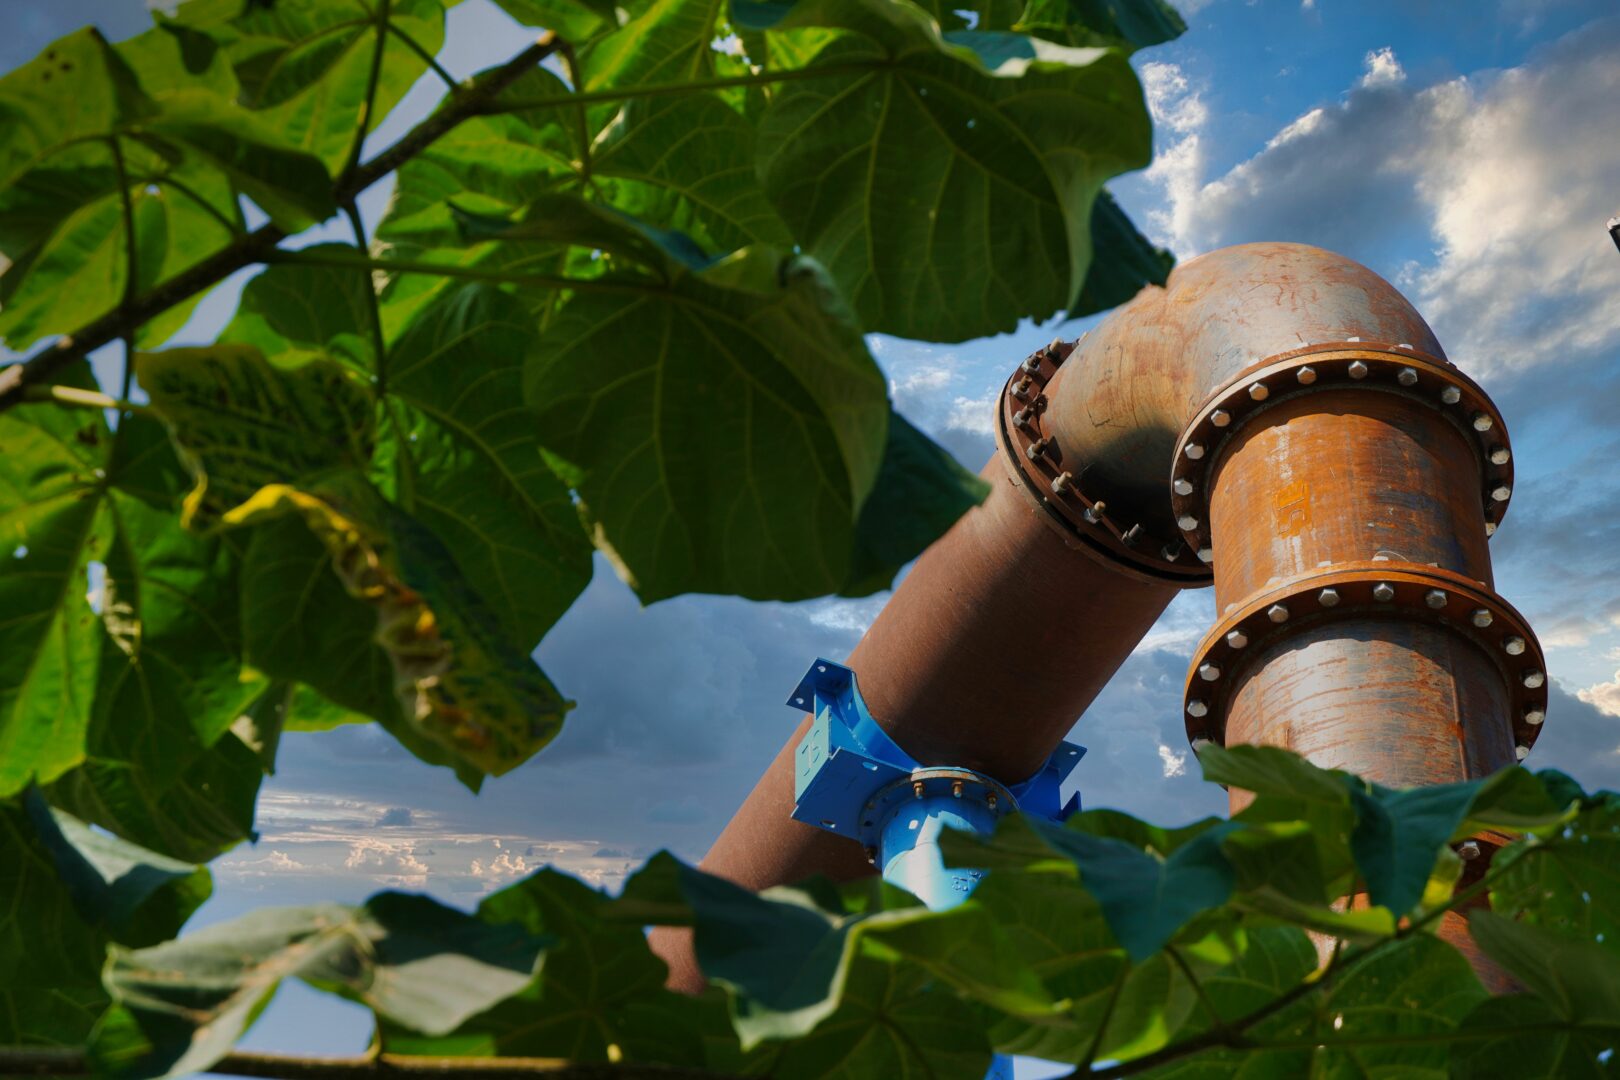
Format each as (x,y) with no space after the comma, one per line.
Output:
(1277,613)
(1383,592)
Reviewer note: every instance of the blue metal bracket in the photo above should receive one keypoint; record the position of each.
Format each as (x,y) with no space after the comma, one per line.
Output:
(851,778)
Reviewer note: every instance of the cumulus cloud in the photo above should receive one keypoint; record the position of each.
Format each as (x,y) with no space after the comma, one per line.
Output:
(1508,175)
(1174,761)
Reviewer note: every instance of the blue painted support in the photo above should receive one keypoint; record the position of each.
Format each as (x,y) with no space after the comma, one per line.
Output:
(852,779)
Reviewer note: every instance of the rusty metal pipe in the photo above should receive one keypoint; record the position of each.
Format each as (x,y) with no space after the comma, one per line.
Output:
(1277,411)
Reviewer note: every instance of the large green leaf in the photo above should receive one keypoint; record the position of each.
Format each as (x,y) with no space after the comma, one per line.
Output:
(66,892)
(1523,1037)
(305,65)
(183,1005)
(1123,261)
(1570,882)
(1578,982)
(575,21)
(184,152)
(462,452)
(731,455)
(1128,24)
(162,767)
(599,994)
(986,150)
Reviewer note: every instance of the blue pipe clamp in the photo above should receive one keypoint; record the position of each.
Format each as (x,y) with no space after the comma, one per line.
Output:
(853,780)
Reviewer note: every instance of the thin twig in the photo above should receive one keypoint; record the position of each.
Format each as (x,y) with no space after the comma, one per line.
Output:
(64,1063)
(723,82)
(74,397)
(258,245)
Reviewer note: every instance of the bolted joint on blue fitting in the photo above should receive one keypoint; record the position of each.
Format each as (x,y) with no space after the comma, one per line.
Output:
(850,778)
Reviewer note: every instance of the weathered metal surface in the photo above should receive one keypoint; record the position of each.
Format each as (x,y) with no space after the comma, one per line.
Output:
(1375,607)
(1057,486)
(1385,473)
(1132,384)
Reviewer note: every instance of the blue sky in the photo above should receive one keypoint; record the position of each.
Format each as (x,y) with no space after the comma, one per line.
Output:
(1467,151)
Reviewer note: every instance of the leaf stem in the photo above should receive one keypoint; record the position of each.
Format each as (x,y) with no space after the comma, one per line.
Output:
(259,245)
(576,78)
(309,257)
(232,227)
(27,1061)
(132,263)
(379,347)
(380,19)
(81,399)
(449,80)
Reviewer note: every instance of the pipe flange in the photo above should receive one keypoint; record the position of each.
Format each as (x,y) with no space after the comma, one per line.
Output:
(1036,460)
(1245,397)
(1378,587)
(933,782)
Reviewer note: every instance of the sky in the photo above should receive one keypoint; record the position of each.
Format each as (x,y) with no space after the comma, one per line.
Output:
(1469,152)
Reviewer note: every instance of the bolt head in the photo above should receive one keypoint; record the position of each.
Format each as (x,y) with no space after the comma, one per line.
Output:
(1481,618)
(1182,486)
(1277,613)
(1521,751)
(1500,455)
(1468,850)
(1407,376)
(1490,528)
(1209,672)
(1193,451)
(1198,745)
(1534,717)
(1171,552)
(1259,391)
(1328,598)
(1513,646)
(1220,418)
(1482,422)
(1237,639)
(1534,680)
(1306,375)
(1187,522)
(1451,395)
(1383,592)
(1435,598)
(1197,708)
(1206,555)
(1501,493)
(1358,370)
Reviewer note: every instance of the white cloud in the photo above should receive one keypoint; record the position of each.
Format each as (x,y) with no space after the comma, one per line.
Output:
(1174,762)
(1605,696)
(1382,69)
(1508,175)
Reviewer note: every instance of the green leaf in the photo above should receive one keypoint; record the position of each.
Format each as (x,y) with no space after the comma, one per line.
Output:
(67,892)
(290,186)
(414,962)
(707,189)
(1501,1048)
(599,992)
(162,768)
(667,41)
(1123,261)
(242,422)
(1578,980)
(986,150)
(920,492)
(1268,770)
(1569,883)
(464,455)
(733,454)
(1399,835)
(304,65)
(1402,1000)
(1131,24)
(294,313)
(575,21)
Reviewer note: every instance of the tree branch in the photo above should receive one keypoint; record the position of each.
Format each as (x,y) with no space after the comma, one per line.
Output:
(32,1062)
(258,245)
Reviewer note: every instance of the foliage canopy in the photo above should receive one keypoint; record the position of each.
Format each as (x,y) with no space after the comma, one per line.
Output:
(619,303)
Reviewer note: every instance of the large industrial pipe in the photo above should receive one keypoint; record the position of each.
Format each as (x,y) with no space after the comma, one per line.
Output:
(1278,415)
